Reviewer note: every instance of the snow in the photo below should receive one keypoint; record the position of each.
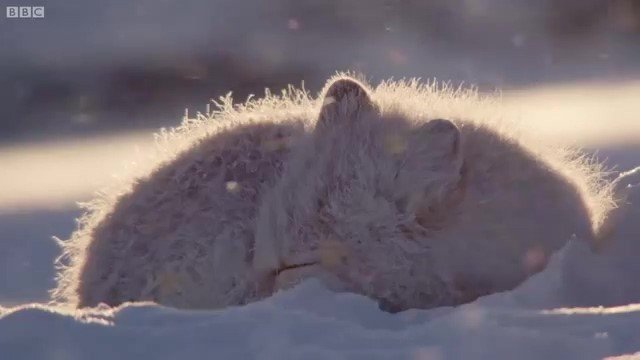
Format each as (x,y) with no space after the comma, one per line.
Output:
(312,322)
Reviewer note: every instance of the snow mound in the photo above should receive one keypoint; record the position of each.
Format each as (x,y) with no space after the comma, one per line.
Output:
(312,322)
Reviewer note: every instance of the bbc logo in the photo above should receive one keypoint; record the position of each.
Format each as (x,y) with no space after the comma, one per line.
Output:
(29,12)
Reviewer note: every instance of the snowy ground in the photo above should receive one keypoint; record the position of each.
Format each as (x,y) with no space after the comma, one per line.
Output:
(539,319)
(310,322)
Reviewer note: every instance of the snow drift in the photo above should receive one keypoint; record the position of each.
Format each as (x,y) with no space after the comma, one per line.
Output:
(311,322)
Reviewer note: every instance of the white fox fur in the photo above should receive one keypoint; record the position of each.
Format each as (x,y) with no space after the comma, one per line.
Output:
(367,188)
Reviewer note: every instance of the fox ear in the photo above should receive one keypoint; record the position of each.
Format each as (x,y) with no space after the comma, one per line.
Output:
(344,100)
(440,140)
(432,170)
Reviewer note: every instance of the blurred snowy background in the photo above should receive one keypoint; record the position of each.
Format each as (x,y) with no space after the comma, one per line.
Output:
(90,67)
(82,90)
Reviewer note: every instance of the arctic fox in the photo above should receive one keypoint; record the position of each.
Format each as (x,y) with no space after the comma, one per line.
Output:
(414,195)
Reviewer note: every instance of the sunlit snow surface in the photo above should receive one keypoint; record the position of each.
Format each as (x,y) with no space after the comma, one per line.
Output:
(311,322)
(554,315)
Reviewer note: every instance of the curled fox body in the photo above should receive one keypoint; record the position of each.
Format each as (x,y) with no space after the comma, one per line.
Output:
(414,195)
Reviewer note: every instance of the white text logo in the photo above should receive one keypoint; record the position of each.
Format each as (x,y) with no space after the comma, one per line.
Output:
(25,12)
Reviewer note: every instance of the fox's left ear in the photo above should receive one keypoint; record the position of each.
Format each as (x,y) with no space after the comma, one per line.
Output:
(432,173)
(440,141)
(344,100)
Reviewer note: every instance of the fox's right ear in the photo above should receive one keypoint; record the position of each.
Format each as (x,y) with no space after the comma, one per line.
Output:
(344,100)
